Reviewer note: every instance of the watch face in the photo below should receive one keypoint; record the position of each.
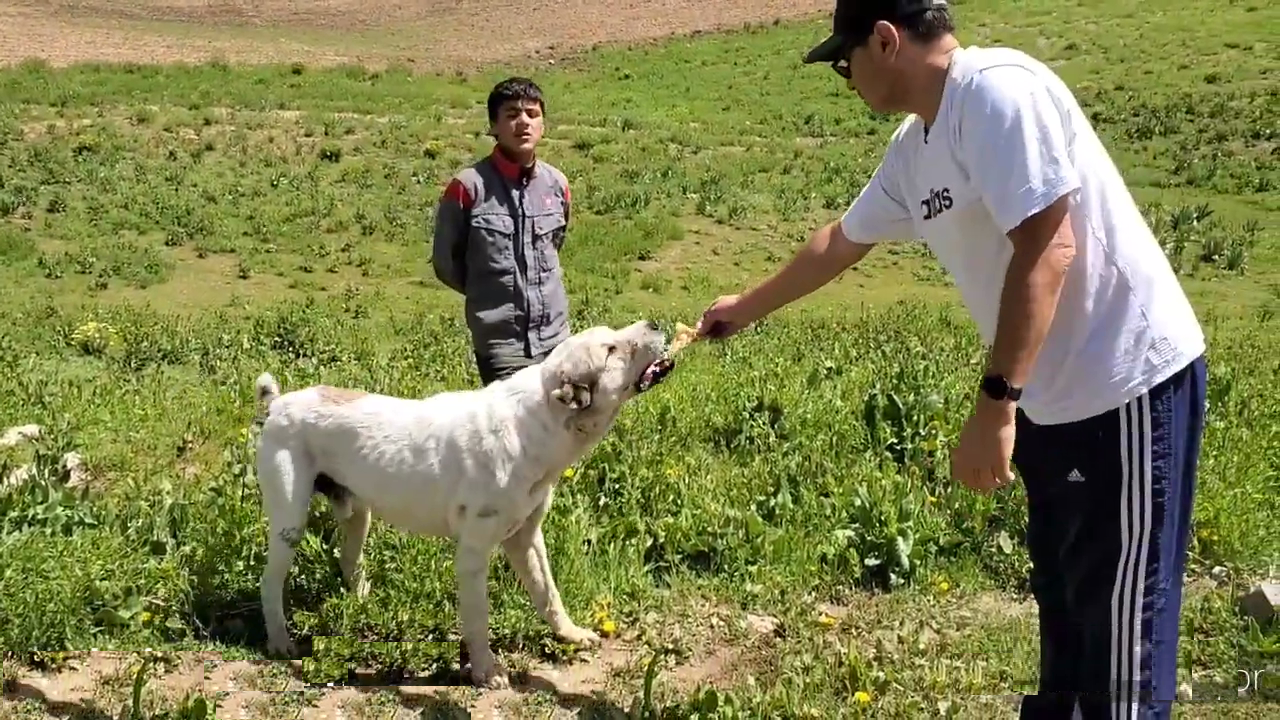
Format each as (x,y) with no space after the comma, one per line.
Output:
(995,386)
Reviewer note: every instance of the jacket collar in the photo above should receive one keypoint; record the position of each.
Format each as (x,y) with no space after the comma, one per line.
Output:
(509,168)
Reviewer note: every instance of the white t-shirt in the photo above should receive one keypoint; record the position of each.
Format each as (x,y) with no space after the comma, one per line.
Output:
(1009,139)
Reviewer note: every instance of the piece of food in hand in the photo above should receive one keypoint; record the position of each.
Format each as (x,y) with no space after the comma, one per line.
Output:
(659,370)
(683,337)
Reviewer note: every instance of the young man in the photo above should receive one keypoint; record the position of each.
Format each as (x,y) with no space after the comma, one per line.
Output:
(498,231)
(1097,359)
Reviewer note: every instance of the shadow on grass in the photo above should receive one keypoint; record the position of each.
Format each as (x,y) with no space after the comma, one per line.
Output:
(18,691)
(233,620)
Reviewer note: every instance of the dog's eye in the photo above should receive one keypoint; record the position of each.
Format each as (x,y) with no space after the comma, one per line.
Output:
(611,349)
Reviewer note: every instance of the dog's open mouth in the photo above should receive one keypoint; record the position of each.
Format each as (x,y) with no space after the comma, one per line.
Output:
(655,373)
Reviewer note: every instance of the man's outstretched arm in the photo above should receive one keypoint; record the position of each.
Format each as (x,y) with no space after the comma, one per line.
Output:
(878,214)
(827,254)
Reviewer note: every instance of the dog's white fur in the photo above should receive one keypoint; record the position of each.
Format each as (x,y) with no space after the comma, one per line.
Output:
(477,466)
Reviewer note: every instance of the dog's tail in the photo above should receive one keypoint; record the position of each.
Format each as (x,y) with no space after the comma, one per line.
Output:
(265,391)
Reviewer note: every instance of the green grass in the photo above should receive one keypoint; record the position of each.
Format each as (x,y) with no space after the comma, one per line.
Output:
(224,221)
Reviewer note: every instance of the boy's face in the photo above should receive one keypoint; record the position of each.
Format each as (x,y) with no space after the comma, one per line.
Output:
(518,127)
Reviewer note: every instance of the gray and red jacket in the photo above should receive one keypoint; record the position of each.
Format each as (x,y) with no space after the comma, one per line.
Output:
(498,231)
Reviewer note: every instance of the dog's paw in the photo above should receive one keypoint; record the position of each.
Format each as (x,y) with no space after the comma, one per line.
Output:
(491,675)
(361,588)
(358,584)
(575,635)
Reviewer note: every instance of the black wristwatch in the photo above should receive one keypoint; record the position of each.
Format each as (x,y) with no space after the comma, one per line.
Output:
(998,388)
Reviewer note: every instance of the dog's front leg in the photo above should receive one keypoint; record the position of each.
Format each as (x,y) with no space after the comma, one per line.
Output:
(527,553)
(472,566)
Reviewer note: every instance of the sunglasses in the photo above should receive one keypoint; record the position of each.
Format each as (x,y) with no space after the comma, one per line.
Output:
(841,65)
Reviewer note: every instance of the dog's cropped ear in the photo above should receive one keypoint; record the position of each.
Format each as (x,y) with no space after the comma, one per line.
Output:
(574,396)
(576,373)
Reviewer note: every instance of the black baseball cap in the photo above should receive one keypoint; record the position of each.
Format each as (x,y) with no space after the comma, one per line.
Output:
(854,20)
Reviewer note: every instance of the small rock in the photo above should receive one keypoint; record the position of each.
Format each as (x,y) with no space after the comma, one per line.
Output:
(886,643)
(925,639)
(73,464)
(17,435)
(834,611)
(1262,602)
(1218,572)
(17,476)
(763,624)
(1184,692)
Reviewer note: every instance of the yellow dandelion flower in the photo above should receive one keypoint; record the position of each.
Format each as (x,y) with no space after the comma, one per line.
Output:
(94,338)
(943,585)
(862,697)
(568,473)
(826,620)
(609,627)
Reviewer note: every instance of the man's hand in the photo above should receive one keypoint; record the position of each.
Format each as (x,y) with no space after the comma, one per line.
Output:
(827,254)
(725,317)
(982,459)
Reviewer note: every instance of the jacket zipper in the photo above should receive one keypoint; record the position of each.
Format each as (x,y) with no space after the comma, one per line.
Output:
(522,261)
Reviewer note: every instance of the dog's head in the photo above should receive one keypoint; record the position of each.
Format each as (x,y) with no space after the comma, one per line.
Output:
(595,371)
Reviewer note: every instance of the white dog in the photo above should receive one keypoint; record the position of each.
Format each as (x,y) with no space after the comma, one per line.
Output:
(477,466)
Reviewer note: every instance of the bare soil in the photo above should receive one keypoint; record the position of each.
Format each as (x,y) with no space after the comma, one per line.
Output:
(716,646)
(427,34)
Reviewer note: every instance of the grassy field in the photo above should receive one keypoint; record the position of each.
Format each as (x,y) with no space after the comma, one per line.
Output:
(775,521)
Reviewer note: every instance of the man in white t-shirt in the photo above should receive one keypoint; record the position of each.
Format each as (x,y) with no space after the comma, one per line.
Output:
(1097,359)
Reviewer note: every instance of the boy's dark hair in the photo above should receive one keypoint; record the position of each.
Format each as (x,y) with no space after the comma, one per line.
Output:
(515,88)
(928,25)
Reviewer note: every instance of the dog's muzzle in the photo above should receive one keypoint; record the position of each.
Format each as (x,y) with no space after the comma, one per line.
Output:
(655,373)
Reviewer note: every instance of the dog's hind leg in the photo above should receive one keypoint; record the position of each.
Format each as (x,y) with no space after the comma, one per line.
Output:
(340,498)
(355,528)
(286,482)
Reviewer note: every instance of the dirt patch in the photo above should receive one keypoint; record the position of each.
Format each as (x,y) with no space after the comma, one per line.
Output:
(30,32)
(101,682)
(430,34)
(700,643)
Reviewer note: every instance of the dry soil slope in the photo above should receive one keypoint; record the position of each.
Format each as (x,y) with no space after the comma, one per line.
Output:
(426,34)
